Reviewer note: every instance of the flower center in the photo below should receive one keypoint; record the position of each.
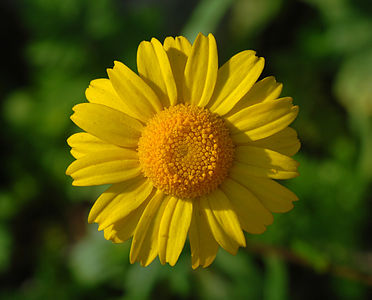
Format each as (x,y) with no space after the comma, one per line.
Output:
(186,151)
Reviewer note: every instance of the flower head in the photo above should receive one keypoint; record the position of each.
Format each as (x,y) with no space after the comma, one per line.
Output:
(189,149)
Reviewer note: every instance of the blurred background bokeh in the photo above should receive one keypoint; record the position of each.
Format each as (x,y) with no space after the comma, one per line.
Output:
(320,49)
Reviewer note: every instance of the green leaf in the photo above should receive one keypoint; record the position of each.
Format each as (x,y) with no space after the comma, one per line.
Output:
(276,279)
(205,18)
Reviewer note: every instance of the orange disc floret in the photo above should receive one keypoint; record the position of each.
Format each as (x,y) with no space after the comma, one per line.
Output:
(186,151)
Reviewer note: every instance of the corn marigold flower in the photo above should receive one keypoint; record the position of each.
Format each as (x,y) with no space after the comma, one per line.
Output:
(190,150)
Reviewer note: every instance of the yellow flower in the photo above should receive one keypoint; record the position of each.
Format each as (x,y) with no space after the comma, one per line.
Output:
(189,148)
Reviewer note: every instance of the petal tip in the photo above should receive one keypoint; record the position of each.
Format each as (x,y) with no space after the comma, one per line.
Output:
(261,61)
(68,141)
(172,263)
(110,72)
(91,218)
(77,107)
(68,170)
(295,109)
(155,40)
(200,35)
(118,64)
(210,35)
(132,255)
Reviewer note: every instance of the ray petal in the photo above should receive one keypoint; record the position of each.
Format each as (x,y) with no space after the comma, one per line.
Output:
(83,143)
(139,97)
(235,78)
(101,91)
(201,71)
(202,243)
(253,216)
(105,167)
(119,200)
(155,69)
(262,120)
(284,142)
(273,195)
(223,221)
(107,124)
(122,230)
(173,230)
(178,50)
(145,240)
(264,90)
(262,162)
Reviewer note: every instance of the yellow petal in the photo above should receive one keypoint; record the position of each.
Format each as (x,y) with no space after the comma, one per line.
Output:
(273,195)
(123,229)
(264,90)
(173,229)
(178,50)
(262,162)
(108,124)
(284,141)
(203,246)
(154,68)
(119,200)
(101,91)
(105,167)
(140,98)
(201,71)
(223,221)
(109,233)
(234,80)
(83,143)
(253,216)
(179,43)
(262,120)
(145,240)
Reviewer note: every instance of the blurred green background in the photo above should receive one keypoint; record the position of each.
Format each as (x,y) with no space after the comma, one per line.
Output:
(320,49)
